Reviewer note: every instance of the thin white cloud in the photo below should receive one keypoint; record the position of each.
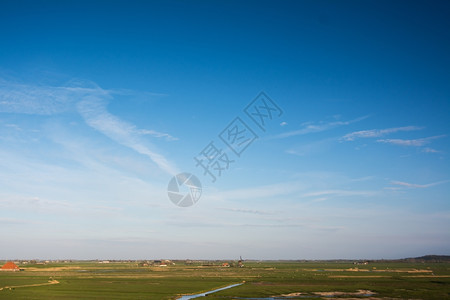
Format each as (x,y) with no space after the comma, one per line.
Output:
(321,126)
(28,99)
(413,143)
(306,187)
(13,126)
(93,110)
(247,211)
(312,148)
(157,134)
(416,186)
(372,133)
(339,193)
(260,192)
(430,150)
(36,203)
(49,100)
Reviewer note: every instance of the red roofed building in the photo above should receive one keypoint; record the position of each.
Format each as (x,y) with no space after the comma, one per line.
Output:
(10,266)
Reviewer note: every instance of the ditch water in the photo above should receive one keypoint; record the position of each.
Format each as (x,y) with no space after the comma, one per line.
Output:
(187,297)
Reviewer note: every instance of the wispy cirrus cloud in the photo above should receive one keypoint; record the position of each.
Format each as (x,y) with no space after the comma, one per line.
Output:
(157,134)
(308,185)
(38,100)
(90,101)
(430,150)
(373,133)
(410,143)
(416,186)
(93,110)
(326,194)
(14,126)
(260,192)
(312,148)
(246,211)
(318,127)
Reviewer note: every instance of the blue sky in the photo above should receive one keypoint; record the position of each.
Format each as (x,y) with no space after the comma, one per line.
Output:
(102,103)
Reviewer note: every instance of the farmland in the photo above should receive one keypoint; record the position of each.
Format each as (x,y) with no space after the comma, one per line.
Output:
(262,279)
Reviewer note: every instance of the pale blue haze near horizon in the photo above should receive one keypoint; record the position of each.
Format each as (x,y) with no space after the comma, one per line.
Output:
(102,102)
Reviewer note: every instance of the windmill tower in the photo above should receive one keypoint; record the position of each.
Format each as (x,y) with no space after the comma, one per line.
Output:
(240,262)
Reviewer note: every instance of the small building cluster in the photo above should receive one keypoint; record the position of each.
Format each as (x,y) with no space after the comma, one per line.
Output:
(156,263)
(10,266)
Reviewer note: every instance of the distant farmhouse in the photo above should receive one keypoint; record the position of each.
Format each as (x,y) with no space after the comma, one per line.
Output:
(10,266)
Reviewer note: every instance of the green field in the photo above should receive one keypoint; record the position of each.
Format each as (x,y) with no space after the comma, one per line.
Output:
(302,280)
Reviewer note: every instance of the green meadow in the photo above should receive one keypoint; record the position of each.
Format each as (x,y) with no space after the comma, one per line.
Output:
(278,280)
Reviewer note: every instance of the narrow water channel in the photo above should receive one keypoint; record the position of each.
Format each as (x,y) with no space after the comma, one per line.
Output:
(187,297)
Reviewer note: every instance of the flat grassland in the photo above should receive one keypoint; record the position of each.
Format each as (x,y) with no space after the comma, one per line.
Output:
(262,280)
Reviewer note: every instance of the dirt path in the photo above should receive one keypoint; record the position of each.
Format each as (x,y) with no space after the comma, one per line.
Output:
(50,282)
(51,269)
